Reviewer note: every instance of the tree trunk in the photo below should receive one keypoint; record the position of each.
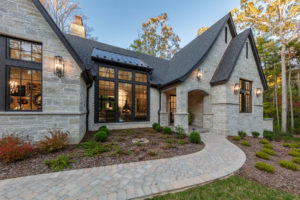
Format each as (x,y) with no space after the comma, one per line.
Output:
(291,100)
(276,103)
(284,88)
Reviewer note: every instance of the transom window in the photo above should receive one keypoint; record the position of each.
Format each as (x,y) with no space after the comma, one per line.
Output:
(26,51)
(245,96)
(121,99)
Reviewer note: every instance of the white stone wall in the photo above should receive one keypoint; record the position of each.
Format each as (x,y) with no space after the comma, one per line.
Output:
(154,107)
(268,124)
(63,99)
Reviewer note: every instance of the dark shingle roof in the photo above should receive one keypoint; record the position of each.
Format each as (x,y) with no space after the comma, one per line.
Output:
(230,57)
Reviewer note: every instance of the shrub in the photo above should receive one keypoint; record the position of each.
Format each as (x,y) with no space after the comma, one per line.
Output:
(154,125)
(13,149)
(191,118)
(101,136)
(170,141)
(289,165)
(295,145)
(61,162)
(286,145)
(245,143)
(57,140)
(180,132)
(158,128)
(294,153)
(242,134)
(152,153)
(297,150)
(181,142)
(268,135)
(263,155)
(237,138)
(264,141)
(296,160)
(167,130)
(268,151)
(92,148)
(268,146)
(104,128)
(265,167)
(195,137)
(255,134)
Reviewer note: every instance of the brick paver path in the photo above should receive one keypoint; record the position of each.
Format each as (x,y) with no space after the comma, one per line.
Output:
(125,181)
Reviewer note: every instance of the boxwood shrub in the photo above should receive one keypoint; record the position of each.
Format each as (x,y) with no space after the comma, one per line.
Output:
(289,165)
(104,128)
(154,125)
(167,130)
(263,155)
(242,134)
(101,136)
(255,134)
(237,138)
(268,135)
(265,167)
(268,151)
(245,143)
(195,137)
(296,160)
(263,141)
(294,153)
(158,128)
(268,146)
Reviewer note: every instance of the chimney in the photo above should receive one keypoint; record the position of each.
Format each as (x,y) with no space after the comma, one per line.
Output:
(77,27)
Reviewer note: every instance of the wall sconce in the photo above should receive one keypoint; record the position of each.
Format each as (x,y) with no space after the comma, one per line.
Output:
(199,74)
(258,92)
(59,66)
(236,88)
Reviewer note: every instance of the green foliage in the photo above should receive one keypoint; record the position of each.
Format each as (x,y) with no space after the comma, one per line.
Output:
(180,132)
(263,155)
(268,151)
(264,141)
(170,141)
(195,137)
(104,128)
(289,165)
(93,148)
(236,138)
(167,130)
(294,153)
(265,167)
(268,146)
(158,128)
(154,125)
(152,153)
(255,134)
(286,145)
(296,160)
(61,162)
(242,134)
(118,151)
(295,145)
(268,135)
(245,143)
(101,136)
(191,118)
(57,140)
(181,142)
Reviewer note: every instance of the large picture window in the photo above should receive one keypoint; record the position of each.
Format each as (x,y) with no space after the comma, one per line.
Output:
(121,98)
(26,51)
(245,96)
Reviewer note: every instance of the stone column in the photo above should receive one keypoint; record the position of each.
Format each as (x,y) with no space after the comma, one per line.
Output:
(164,114)
(181,115)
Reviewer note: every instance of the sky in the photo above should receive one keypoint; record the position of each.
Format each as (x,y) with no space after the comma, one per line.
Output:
(118,22)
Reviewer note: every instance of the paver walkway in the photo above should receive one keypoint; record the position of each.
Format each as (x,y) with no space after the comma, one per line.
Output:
(125,181)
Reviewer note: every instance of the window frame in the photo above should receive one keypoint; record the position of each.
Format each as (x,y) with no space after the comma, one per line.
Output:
(116,82)
(243,91)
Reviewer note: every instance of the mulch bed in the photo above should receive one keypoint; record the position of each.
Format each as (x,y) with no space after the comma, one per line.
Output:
(282,178)
(157,143)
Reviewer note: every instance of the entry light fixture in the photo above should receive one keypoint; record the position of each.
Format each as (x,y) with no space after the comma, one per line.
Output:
(59,66)
(258,92)
(200,74)
(236,88)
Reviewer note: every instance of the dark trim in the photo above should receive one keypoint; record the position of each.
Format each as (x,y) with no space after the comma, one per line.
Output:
(247,51)
(226,34)
(2,73)
(244,91)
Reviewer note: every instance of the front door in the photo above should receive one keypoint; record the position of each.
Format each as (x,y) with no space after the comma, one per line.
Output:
(172,108)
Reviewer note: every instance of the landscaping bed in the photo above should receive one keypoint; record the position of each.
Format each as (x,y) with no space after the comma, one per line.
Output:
(118,148)
(282,178)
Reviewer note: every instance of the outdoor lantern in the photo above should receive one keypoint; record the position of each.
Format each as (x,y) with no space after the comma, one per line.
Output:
(236,88)
(59,67)
(199,74)
(258,91)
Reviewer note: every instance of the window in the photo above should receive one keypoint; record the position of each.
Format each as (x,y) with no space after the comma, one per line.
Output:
(245,96)
(25,89)
(225,34)
(247,50)
(121,99)
(26,51)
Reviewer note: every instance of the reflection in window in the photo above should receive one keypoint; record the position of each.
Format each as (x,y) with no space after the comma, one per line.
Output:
(141,77)
(106,101)
(140,102)
(27,51)
(106,72)
(25,89)
(124,75)
(125,102)
(245,96)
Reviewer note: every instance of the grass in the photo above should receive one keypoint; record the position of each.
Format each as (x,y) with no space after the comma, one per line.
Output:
(233,188)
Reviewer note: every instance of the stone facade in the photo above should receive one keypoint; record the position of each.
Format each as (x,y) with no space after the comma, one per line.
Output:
(64,99)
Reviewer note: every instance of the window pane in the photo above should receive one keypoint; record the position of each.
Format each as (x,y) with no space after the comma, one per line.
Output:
(14,49)
(36,48)
(37,100)
(15,54)
(140,102)
(125,75)
(26,51)
(36,75)
(106,72)
(36,57)
(106,101)
(141,77)
(125,102)
(26,74)
(245,96)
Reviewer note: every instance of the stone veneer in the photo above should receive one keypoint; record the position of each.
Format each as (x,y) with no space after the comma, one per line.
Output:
(64,100)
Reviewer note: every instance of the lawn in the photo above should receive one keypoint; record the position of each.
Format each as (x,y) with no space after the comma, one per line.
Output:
(231,188)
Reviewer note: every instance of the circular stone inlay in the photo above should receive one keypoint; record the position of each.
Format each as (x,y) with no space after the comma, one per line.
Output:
(140,140)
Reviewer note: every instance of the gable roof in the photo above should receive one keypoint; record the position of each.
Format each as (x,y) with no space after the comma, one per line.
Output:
(86,75)
(230,58)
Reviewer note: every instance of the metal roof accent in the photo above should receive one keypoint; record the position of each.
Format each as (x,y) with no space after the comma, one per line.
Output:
(120,58)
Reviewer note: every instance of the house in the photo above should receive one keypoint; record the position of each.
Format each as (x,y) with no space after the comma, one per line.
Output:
(49,79)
